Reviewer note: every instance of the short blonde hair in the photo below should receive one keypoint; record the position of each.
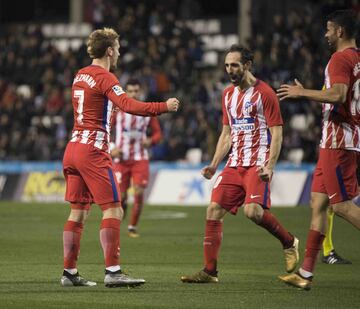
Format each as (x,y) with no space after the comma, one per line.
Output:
(99,40)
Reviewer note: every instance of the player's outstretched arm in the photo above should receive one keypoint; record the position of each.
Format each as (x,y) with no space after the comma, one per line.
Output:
(222,148)
(132,106)
(265,172)
(336,94)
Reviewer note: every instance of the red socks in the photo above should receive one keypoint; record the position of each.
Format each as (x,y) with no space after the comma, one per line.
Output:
(313,246)
(272,225)
(212,242)
(137,208)
(110,241)
(71,243)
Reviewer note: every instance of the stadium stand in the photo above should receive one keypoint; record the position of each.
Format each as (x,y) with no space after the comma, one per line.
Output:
(178,53)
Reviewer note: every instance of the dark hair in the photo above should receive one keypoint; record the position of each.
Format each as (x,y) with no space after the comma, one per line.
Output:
(246,54)
(345,19)
(132,82)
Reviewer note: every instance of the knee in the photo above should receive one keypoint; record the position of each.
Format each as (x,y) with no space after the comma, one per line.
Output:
(340,209)
(214,212)
(114,212)
(138,190)
(77,215)
(254,212)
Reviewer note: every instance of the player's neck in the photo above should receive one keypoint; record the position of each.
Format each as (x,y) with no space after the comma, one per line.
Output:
(248,81)
(102,62)
(342,45)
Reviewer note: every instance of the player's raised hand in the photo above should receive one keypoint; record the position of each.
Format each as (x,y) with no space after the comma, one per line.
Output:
(208,172)
(290,91)
(264,173)
(173,104)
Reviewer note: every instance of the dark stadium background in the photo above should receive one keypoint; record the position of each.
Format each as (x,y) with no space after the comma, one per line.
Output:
(36,72)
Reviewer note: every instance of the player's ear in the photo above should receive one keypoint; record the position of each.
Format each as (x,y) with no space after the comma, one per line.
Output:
(247,65)
(110,51)
(340,31)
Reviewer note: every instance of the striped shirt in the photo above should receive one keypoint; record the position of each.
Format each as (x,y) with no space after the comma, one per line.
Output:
(340,123)
(131,131)
(250,114)
(95,94)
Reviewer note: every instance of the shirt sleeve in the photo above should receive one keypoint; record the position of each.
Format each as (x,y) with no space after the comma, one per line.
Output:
(339,69)
(111,88)
(272,109)
(155,130)
(224,111)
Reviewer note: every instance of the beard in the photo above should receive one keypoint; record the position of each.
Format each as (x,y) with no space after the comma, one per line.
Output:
(332,45)
(114,65)
(236,79)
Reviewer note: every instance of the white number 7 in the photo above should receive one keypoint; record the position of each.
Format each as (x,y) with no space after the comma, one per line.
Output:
(79,94)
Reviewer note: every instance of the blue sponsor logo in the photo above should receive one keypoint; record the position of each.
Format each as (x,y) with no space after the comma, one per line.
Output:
(246,120)
(244,124)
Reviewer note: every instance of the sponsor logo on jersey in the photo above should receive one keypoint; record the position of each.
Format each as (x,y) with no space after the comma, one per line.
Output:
(118,90)
(244,124)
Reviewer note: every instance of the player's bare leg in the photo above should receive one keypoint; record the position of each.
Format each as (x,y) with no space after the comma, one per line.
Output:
(212,241)
(71,242)
(267,220)
(303,277)
(124,204)
(349,211)
(136,211)
(110,242)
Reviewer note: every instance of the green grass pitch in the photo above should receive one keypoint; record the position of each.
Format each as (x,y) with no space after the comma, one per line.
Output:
(250,261)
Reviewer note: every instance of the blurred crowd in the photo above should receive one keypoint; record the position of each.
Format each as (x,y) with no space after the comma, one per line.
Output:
(166,56)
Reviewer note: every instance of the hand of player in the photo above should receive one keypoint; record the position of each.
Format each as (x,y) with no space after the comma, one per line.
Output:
(290,91)
(116,153)
(172,104)
(208,172)
(147,142)
(264,173)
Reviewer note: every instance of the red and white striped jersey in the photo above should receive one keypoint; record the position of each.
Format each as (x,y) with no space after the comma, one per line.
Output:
(95,94)
(250,114)
(340,126)
(131,131)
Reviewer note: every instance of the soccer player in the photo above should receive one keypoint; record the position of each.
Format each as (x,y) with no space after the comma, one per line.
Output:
(252,129)
(87,164)
(334,180)
(131,157)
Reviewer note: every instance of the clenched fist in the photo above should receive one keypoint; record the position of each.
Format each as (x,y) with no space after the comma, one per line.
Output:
(172,104)
(208,172)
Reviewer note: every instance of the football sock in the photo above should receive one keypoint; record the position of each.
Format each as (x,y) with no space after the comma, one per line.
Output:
(212,242)
(110,240)
(137,208)
(305,274)
(328,244)
(71,271)
(71,243)
(272,225)
(313,246)
(113,268)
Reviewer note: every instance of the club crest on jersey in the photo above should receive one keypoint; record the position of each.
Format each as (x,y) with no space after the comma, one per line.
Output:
(246,124)
(248,106)
(118,90)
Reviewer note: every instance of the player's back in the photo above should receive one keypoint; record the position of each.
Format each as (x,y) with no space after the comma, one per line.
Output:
(92,109)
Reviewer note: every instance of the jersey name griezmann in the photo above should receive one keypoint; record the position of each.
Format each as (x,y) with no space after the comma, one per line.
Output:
(85,78)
